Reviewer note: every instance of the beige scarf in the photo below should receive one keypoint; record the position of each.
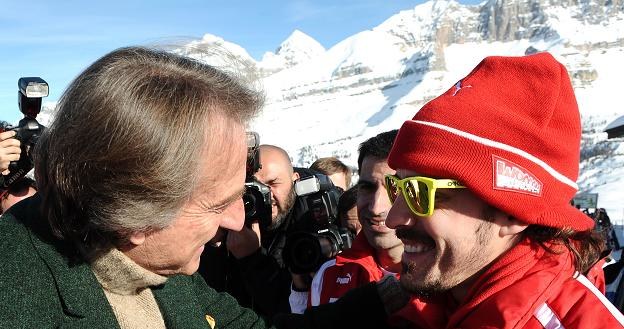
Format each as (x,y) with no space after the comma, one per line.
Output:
(127,288)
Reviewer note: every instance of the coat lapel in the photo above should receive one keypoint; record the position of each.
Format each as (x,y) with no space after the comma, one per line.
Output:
(177,310)
(80,293)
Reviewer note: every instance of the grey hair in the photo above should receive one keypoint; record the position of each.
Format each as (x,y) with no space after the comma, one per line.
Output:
(122,154)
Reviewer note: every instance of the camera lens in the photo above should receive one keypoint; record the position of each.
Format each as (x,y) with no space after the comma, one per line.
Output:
(305,252)
(249,200)
(302,252)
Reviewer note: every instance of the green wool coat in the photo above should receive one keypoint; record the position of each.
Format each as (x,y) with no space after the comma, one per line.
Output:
(41,288)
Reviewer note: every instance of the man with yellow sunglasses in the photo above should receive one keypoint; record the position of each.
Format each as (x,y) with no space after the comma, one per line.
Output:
(484,176)
(490,238)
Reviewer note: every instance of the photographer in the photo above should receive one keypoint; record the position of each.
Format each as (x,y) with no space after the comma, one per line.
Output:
(252,268)
(339,173)
(15,163)
(376,251)
(347,211)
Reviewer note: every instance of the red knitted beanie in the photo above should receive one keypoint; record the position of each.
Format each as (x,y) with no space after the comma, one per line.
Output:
(510,131)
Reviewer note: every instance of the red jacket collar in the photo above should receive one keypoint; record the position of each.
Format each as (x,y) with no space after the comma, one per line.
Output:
(360,251)
(517,282)
(363,254)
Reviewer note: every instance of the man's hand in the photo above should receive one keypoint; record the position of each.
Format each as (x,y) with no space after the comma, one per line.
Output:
(302,282)
(245,242)
(9,150)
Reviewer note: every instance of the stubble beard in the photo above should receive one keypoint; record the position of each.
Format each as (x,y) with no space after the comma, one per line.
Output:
(420,281)
(282,213)
(384,240)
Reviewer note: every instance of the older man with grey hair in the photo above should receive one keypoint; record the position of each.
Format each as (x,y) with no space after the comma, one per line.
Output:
(133,182)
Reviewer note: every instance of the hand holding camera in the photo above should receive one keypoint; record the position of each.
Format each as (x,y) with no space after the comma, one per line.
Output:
(315,236)
(244,242)
(257,197)
(302,282)
(257,202)
(26,133)
(9,150)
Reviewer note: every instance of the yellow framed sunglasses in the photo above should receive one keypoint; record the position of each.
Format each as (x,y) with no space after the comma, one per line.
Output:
(418,191)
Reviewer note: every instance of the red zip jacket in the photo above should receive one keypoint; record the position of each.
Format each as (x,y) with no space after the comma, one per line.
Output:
(350,269)
(526,288)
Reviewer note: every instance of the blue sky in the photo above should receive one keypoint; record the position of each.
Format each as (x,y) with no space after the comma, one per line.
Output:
(56,40)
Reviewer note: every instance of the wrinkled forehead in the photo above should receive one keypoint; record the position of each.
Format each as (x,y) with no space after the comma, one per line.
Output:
(222,134)
(224,153)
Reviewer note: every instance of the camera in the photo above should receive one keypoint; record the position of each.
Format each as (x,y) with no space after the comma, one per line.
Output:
(316,236)
(30,94)
(257,197)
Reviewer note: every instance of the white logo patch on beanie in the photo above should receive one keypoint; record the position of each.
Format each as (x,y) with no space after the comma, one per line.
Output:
(511,177)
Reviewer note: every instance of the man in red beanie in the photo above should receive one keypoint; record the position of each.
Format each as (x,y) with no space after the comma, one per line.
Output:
(481,197)
(484,175)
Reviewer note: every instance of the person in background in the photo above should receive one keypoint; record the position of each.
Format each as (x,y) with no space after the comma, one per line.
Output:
(253,270)
(347,211)
(376,251)
(339,173)
(24,188)
(614,272)
(603,223)
(143,165)
(278,174)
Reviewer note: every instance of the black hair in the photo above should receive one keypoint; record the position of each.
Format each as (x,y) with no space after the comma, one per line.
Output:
(347,200)
(378,146)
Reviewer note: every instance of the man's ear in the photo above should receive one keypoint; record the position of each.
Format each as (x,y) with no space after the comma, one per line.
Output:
(295,176)
(137,238)
(511,226)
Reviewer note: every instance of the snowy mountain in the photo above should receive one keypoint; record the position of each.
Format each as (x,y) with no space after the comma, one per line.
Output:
(376,79)
(208,49)
(296,49)
(325,102)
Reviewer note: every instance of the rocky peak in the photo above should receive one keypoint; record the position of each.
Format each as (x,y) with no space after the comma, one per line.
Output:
(300,44)
(507,20)
(223,54)
(296,49)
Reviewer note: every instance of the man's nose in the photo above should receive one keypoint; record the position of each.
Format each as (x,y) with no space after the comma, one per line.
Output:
(399,214)
(235,217)
(379,203)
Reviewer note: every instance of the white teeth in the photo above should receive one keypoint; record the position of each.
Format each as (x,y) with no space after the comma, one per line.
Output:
(415,248)
(374,223)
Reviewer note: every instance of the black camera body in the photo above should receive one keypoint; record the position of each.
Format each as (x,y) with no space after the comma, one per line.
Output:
(257,197)
(315,236)
(30,94)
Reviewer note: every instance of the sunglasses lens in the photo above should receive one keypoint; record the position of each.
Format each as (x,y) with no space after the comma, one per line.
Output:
(423,196)
(392,188)
(417,194)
